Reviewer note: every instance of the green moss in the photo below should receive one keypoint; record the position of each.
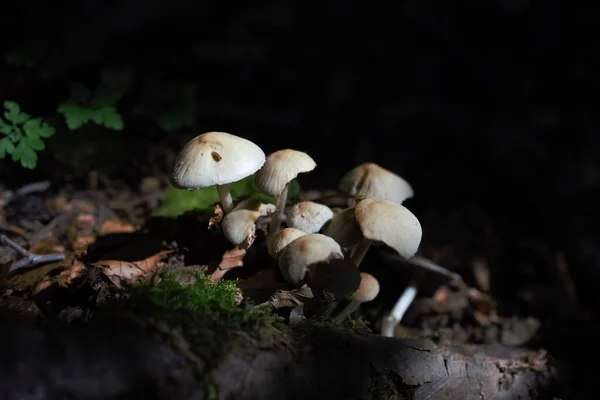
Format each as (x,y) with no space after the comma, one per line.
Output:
(180,201)
(201,319)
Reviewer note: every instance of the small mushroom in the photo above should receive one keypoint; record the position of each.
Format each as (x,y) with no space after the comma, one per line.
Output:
(343,228)
(239,225)
(216,159)
(279,169)
(367,291)
(277,242)
(309,216)
(372,180)
(426,277)
(387,222)
(306,250)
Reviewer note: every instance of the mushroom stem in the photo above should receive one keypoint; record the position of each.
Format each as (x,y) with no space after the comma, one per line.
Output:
(361,250)
(279,214)
(225,197)
(395,316)
(346,311)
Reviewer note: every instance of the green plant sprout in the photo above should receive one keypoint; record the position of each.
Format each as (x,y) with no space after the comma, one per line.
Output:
(21,135)
(85,106)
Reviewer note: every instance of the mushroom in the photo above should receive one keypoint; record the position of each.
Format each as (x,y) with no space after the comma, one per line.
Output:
(239,225)
(371,180)
(277,242)
(367,291)
(279,169)
(387,222)
(216,159)
(427,276)
(306,250)
(343,228)
(309,216)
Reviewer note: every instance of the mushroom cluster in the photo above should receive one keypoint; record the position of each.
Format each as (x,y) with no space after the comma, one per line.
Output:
(313,234)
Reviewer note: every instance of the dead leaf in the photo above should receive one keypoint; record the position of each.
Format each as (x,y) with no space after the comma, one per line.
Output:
(67,276)
(290,298)
(81,244)
(216,219)
(49,245)
(115,226)
(85,221)
(118,270)
(231,259)
(150,184)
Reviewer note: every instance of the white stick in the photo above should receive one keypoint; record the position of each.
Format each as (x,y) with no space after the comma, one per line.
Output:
(395,316)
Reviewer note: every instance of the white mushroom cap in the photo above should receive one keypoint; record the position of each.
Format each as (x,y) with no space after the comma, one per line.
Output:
(306,250)
(371,180)
(215,158)
(280,168)
(309,216)
(239,225)
(391,223)
(281,239)
(368,289)
(343,228)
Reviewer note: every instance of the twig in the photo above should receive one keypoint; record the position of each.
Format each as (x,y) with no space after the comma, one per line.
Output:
(29,259)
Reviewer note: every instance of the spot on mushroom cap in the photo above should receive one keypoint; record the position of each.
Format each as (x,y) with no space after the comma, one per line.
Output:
(368,289)
(281,239)
(295,258)
(280,168)
(239,224)
(372,180)
(390,223)
(343,228)
(309,216)
(215,158)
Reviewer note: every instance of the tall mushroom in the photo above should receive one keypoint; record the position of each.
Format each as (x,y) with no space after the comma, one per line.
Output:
(371,180)
(216,159)
(239,225)
(387,222)
(280,168)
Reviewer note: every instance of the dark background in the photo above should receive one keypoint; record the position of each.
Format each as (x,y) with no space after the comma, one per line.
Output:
(486,108)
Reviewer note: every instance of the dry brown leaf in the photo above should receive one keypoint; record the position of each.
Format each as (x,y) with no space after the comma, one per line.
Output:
(150,184)
(231,259)
(81,244)
(216,219)
(41,277)
(115,226)
(49,245)
(85,221)
(290,298)
(117,270)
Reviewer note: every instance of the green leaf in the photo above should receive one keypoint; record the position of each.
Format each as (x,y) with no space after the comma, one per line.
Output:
(6,146)
(25,155)
(34,143)
(75,116)
(46,130)
(7,129)
(109,117)
(179,201)
(32,127)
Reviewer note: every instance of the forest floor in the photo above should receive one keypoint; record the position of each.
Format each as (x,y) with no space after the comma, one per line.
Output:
(109,234)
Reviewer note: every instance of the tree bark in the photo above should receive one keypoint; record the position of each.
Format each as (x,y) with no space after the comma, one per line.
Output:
(129,361)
